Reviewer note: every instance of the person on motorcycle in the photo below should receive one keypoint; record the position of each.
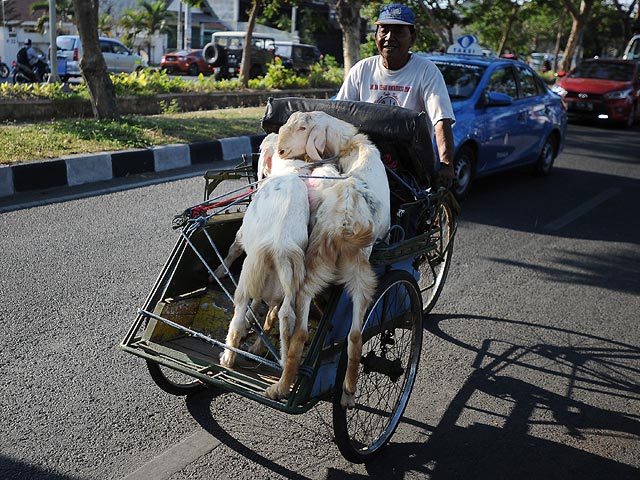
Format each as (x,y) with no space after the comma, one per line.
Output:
(27,56)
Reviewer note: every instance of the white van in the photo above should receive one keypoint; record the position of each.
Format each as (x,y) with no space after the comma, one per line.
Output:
(632,52)
(117,57)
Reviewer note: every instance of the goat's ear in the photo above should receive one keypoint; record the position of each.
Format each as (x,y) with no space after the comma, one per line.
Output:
(316,142)
(264,162)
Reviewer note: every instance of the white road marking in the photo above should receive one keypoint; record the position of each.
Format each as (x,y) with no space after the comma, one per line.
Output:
(583,209)
(176,458)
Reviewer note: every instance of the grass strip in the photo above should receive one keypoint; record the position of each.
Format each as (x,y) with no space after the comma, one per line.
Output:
(38,141)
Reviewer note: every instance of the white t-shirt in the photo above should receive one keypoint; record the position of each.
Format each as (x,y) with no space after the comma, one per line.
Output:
(418,86)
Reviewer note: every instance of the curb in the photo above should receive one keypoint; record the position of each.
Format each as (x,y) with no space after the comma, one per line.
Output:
(99,167)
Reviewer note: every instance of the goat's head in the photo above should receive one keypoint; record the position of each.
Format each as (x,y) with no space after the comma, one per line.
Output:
(312,135)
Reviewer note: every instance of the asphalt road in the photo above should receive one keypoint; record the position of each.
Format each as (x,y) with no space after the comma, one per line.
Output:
(530,365)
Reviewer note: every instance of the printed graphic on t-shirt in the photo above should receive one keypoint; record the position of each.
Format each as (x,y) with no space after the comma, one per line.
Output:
(388,94)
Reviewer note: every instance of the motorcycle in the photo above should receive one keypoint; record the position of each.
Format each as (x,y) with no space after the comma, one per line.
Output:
(4,70)
(39,72)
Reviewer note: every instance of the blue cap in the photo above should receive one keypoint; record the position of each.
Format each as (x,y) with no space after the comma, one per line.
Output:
(396,14)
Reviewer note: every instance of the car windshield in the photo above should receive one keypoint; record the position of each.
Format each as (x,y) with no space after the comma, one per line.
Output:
(619,72)
(461,78)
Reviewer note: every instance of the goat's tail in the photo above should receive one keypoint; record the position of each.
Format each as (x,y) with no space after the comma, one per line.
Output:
(357,226)
(288,266)
(290,269)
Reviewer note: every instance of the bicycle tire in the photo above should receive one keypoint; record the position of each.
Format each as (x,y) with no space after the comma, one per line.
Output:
(433,265)
(390,357)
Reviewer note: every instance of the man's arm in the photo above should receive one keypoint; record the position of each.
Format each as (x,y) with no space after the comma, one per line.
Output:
(444,140)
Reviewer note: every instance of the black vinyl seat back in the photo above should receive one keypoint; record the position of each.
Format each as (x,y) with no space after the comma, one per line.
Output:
(401,135)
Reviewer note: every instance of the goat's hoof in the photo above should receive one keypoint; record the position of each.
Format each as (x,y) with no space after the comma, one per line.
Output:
(227,359)
(277,391)
(348,400)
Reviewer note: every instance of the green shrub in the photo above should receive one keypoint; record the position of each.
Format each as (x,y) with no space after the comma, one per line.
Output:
(149,82)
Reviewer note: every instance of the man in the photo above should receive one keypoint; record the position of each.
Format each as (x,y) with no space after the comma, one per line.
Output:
(27,56)
(398,77)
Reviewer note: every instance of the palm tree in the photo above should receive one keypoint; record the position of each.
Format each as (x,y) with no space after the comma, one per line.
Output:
(155,18)
(105,24)
(64,12)
(133,22)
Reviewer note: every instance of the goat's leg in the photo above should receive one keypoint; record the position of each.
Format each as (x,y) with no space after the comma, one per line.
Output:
(235,250)
(361,290)
(237,327)
(293,353)
(258,347)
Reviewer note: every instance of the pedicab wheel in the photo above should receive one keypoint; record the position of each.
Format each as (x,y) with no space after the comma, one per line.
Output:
(433,265)
(390,356)
(172,381)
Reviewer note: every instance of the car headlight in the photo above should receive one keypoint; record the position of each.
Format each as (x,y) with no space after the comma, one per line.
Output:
(181,59)
(559,90)
(618,94)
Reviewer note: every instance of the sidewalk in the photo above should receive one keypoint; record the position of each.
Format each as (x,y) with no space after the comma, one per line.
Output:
(99,167)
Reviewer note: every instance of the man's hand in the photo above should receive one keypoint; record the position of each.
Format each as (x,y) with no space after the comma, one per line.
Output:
(446,176)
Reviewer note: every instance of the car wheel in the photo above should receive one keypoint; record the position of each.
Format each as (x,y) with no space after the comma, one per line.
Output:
(464,164)
(193,70)
(214,55)
(543,166)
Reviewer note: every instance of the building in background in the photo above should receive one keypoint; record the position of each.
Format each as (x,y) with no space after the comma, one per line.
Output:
(213,16)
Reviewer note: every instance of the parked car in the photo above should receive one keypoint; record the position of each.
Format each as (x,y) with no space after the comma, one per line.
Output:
(604,89)
(224,53)
(506,117)
(117,57)
(541,62)
(183,61)
(298,57)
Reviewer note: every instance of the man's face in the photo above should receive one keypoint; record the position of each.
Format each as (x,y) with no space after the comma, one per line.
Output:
(394,42)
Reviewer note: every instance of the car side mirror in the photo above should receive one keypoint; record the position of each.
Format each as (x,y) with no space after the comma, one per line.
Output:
(497,99)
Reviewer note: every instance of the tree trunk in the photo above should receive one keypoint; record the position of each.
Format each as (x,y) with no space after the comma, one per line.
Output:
(556,50)
(507,32)
(580,18)
(348,15)
(94,70)
(444,33)
(245,68)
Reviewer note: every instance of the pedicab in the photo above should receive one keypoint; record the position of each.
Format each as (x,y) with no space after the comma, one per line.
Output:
(180,330)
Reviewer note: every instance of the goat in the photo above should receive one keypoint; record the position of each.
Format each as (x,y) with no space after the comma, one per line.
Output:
(347,217)
(274,237)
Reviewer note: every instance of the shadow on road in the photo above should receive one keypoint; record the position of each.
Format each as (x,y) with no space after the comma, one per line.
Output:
(507,443)
(11,468)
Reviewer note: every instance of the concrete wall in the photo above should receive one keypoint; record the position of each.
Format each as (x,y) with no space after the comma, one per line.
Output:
(42,110)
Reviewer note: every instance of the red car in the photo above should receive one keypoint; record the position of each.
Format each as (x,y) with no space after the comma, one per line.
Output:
(606,89)
(183,61)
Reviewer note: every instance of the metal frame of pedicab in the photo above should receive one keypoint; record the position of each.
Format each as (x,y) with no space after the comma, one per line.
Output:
(220,217)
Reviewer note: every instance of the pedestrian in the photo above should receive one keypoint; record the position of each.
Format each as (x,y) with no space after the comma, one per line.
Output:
(399,77)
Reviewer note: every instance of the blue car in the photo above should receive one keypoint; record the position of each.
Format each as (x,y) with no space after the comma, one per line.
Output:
(506,117)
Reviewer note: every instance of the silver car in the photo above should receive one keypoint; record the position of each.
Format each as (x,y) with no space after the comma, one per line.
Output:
(117,57)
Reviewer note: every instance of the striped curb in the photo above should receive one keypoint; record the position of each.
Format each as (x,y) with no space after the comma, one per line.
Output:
(98,167)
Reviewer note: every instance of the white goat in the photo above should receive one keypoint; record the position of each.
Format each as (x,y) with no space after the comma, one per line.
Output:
(347,217)
(274,237)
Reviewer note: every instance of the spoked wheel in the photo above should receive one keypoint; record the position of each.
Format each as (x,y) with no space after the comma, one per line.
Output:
(4,70)
(433,265)
(172,381)
(391,343)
